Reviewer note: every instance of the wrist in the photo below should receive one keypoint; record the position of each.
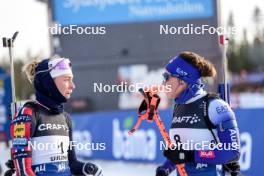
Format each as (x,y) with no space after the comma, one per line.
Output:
(169,165)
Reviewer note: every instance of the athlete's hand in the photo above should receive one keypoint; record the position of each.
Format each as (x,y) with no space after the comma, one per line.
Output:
(92,169)
(11,168)
(233,168)
(162,171)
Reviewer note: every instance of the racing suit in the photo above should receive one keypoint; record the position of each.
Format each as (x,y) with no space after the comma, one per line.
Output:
(41,143)
(190,127)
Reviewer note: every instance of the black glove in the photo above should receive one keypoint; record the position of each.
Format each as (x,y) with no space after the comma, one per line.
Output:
(92,169)
(11,168)
(162,171)
(179,156)
(233,168)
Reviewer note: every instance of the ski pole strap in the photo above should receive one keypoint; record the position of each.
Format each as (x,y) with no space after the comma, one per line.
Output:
(147,109)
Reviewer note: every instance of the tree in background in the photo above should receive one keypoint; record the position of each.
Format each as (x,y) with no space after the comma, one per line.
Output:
(257,50)
(246,56)
(233,63)
(243,54)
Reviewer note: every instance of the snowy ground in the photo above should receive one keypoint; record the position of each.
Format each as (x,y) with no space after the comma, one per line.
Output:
(110,168)
(119,168)
(4,155)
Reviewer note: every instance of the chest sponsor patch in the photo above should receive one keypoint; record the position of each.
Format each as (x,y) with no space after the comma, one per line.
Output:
(186,119)
(49,126)
(207,154)
(59,158)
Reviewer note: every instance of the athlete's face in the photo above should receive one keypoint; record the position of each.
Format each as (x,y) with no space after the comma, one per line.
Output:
(177,87)
(65,85)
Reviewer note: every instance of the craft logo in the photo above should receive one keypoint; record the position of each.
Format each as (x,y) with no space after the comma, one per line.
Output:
(187,119)
(19,130)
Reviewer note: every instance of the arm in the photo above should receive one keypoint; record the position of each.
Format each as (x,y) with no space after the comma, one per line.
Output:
(77,167)
(165,169)
(21,132)
(224,118)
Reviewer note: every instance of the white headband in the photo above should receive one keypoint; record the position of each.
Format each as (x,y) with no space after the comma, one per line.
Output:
(60,66)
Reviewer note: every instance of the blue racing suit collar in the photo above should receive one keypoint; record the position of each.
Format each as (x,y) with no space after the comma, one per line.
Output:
(190,92)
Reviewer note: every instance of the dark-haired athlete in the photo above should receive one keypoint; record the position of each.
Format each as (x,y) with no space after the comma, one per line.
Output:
(195,113)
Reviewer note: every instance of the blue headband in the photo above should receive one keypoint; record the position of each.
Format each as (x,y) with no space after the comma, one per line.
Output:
(183,70)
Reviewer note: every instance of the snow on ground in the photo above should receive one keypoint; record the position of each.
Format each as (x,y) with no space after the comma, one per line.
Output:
(120,168)
(4,156)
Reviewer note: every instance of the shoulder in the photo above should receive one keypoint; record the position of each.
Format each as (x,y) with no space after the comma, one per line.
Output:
(22,124)
(67,117)
(219,111)
(25,113)
(27,109)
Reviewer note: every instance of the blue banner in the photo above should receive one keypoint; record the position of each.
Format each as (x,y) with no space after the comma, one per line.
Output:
(5,100)
(107,135)
(66,12)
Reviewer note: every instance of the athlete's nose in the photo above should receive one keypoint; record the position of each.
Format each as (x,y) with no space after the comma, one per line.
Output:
(72,85)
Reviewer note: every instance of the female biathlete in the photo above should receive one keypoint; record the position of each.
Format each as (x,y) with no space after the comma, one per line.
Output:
(203,128)
(42,131)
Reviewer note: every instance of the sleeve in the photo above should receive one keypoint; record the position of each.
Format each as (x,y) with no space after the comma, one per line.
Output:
(228,147)
(21,130)
(76,166)
(168,165)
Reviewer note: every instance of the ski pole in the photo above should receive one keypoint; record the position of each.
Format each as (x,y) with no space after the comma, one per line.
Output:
(9,42)
(152,114)
(224,88)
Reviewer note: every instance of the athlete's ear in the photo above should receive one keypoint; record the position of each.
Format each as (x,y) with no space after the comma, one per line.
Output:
(181,82)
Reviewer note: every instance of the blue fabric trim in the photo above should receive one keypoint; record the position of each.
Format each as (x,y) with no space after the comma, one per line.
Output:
(183,70)
(52,169)
(230,124)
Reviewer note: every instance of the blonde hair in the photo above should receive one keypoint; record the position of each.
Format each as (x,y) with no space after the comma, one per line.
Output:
(29,69)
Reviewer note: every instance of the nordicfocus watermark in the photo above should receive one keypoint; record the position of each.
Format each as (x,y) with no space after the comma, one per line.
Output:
(124,87)
(58,29)
(191,29)
(66,146)
(204,145)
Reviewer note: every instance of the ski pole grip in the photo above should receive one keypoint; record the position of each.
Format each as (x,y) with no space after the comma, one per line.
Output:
(142,92)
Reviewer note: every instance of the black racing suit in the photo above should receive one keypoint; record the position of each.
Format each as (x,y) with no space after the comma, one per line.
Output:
(41,143)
